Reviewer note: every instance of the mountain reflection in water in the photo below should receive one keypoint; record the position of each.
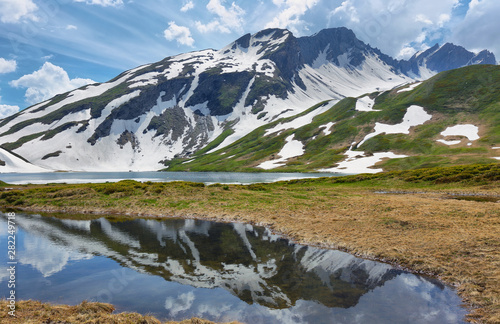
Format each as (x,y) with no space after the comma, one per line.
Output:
(181,268)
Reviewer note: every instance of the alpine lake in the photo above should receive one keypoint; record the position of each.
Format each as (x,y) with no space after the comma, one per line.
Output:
(180,268)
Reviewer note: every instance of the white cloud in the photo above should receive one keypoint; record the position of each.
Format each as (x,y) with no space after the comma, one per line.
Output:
(104,3)
(406,52)
(228,19)
(290,16)
(394,25)
(423,19)
(71,27)
(47,82)
(479,28)
(7,66)
(187,6)
(348,9)
(12,11)
(183,303)
(180,33)
(7,110)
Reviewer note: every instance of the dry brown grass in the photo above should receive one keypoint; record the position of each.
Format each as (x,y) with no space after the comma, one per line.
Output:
(457,241)
(34,312)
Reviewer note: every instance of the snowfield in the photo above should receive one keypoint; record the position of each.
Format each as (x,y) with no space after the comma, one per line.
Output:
(358,162)
(415,115)
(468,130)
(14,164)
(365,104)
(292,148)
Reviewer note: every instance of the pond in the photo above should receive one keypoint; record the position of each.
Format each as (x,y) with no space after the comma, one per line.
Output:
(177,269)
(205,177)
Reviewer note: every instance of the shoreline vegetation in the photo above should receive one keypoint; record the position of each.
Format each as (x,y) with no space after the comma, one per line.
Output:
(440,222)
(35,312)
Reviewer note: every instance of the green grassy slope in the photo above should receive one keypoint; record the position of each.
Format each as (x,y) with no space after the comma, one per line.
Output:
(469,95)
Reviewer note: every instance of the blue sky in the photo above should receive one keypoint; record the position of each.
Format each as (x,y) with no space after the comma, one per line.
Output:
(52,46)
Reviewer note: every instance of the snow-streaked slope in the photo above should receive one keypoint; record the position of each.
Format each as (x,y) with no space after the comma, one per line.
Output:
(359,162)
(118,140)
(11,163)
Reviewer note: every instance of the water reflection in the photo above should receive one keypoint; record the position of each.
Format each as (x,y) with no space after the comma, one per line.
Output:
(183,268)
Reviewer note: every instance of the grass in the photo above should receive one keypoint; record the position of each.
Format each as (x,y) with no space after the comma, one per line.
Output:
(34,312)
(401,217)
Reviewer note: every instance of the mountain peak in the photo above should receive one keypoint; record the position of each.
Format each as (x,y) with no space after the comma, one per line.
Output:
(175,107)
(442,58)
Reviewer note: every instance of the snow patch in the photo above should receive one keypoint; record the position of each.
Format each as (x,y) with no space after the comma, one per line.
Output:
(292,148)
(410,87)
(300,121)
(143,83)
(365,104)
(468,130)
(358,162)
(327,127)
(415,115)
(448,142)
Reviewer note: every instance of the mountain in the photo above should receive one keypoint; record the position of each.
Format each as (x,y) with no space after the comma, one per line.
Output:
(197,102)
(443,58)
(451,119)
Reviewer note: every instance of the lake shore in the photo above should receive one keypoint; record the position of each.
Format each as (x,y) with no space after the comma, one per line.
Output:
(35,312)
(418,221)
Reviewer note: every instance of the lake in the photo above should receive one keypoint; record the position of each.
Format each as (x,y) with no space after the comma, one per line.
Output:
(205,177)
(179,268)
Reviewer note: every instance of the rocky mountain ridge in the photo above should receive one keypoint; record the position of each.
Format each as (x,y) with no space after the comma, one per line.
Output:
(207,99)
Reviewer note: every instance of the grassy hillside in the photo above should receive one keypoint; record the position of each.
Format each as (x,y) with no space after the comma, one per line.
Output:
(470,95)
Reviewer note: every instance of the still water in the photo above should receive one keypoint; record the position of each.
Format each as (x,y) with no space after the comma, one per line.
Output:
(206,177)
(178,269)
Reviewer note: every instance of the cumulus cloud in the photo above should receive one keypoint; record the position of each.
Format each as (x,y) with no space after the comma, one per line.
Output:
(479,28)
(47,82)
(7,110)
(7,66)
(179,33)
(71,27)
(183,303)
(104,3)
(12,11)
(397,27)
(188,5)
(291,14)
(227,19)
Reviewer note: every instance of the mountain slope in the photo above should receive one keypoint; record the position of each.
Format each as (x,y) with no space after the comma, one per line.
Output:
(199,101)
(452,118)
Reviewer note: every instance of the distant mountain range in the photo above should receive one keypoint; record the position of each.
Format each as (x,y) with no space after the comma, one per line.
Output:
(178,112)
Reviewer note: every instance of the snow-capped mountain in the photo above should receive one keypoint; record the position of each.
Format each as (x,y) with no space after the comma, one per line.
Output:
(443,58)
(207,99)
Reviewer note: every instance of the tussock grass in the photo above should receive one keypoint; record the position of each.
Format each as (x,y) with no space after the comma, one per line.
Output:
(401,217)
(35,312)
